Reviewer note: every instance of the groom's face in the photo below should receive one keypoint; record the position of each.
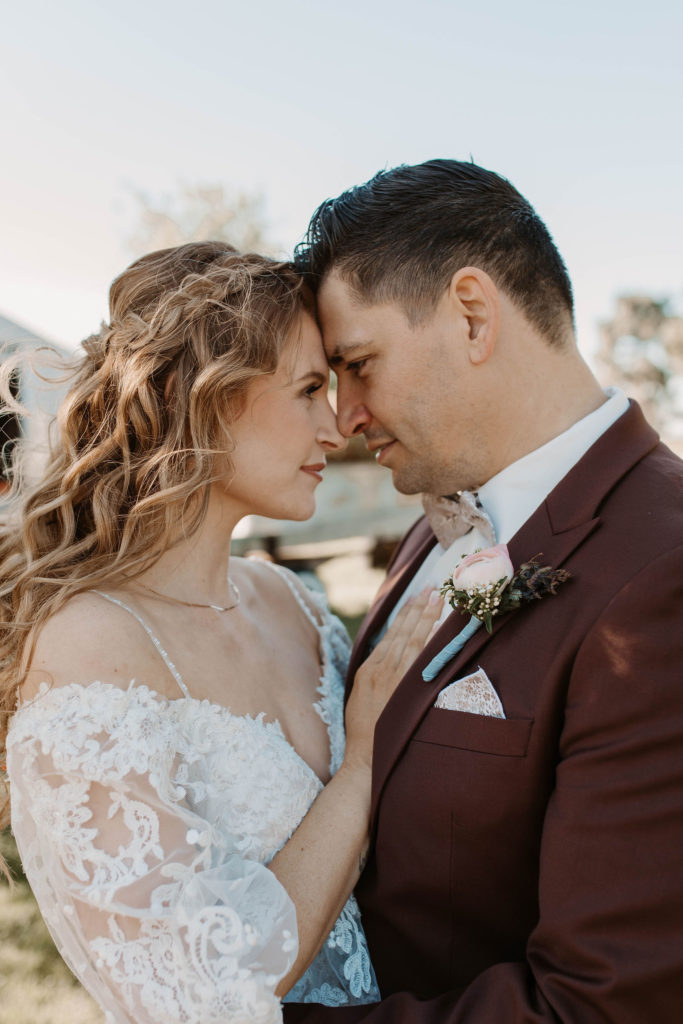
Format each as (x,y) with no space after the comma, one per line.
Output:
(407,388)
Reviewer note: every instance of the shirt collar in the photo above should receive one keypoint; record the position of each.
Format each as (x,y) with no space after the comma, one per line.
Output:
(511,496)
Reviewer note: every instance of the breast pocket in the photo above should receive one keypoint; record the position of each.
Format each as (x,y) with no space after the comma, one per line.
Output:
(505,737)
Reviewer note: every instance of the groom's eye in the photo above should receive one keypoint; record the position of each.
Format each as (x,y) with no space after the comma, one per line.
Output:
(356,365)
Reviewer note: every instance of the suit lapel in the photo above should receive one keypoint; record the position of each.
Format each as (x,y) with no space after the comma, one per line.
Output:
(413,697)
(560,525)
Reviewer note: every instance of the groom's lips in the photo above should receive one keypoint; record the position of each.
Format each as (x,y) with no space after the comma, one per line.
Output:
(380,450)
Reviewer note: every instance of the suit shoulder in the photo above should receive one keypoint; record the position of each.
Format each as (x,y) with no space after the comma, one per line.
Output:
(649,499)
(667,466)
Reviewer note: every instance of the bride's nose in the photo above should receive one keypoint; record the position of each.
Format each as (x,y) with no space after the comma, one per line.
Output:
(328,432)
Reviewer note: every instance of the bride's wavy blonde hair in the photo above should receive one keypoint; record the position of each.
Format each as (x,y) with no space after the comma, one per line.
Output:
(149,408)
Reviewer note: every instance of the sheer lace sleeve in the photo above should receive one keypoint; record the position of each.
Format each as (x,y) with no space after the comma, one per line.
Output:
(154,909)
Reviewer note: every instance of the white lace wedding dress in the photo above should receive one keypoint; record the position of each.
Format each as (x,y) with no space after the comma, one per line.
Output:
(144,826)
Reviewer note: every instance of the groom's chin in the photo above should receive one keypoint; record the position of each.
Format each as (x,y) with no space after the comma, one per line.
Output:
(406,483)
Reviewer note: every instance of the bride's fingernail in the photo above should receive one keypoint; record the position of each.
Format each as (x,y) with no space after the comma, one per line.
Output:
(435,597)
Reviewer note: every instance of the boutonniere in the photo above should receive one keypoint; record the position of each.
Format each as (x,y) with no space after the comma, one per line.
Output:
(485,584)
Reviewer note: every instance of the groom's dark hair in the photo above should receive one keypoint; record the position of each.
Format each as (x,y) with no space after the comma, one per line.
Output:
(402,235)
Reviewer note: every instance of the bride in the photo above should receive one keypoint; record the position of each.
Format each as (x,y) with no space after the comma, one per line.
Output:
(185,810)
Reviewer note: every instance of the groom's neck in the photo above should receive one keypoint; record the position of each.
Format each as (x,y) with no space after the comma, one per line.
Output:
(539,391)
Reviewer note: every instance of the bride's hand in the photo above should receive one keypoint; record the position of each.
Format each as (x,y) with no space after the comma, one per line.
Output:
(380,674)
(322,861)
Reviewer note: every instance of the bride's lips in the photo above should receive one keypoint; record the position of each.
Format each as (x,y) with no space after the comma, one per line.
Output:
(315,470)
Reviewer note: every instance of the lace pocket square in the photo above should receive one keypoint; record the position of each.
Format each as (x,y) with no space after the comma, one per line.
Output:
(473,694)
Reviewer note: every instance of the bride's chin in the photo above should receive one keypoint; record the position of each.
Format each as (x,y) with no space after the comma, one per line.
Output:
(301,517)
(295,512)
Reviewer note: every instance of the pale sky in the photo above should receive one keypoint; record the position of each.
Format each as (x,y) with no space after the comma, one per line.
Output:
(578,104)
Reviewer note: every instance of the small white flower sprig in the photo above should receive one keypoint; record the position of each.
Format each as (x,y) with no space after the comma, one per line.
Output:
(485,584)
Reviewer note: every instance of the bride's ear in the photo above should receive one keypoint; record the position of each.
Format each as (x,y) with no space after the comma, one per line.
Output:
(475,301)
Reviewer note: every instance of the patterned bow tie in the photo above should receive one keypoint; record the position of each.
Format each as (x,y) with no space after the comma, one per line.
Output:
(451,518)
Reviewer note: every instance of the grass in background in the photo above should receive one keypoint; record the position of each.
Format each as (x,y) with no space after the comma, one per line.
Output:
(36,986)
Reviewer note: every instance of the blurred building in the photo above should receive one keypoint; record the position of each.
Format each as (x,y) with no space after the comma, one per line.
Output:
(35,384)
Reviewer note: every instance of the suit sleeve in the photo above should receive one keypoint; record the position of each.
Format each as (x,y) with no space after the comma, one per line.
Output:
(608,945)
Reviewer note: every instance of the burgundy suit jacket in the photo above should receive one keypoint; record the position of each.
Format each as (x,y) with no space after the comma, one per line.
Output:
(531,869)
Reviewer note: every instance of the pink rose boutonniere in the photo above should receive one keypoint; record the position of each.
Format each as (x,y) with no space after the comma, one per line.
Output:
(477,584)
(485,584)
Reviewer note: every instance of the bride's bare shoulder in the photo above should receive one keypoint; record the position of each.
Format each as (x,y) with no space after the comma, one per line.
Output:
(279,592)
(88,639)
(253,575)
(267,580)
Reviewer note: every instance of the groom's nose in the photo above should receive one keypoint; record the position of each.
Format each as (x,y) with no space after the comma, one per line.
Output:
(353,416)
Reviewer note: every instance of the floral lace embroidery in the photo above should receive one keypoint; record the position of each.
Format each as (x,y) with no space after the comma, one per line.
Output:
(145,825)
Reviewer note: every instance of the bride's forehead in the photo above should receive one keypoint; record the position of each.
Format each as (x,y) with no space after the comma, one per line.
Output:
(303,350)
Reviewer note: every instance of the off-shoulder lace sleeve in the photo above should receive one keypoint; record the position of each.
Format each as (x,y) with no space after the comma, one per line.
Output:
(154,910)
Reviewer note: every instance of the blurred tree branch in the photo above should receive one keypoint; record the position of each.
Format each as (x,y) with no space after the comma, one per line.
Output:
(200,212)
(641,351)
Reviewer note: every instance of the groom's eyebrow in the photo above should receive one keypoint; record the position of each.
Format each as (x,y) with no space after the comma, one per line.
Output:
(344,353)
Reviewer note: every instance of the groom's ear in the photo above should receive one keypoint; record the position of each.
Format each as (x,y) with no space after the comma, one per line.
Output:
(475,301)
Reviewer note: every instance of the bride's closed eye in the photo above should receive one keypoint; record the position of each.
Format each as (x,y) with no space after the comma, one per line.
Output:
(310,391)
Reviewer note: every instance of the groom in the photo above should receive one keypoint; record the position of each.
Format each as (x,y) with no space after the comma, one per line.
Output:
(527,855)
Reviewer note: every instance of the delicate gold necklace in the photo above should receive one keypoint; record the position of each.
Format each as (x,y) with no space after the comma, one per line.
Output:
(198,604)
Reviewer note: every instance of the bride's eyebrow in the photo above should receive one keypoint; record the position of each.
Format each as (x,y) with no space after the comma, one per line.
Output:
(313,375)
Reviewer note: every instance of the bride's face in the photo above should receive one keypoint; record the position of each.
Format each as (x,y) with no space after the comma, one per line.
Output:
(282,437)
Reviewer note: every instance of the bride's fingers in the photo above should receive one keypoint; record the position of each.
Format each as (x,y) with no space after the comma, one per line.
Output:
(408,635)
(394,631)
(421,632)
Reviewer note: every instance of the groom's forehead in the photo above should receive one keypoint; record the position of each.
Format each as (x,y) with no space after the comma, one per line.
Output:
(339,303)
(348,323)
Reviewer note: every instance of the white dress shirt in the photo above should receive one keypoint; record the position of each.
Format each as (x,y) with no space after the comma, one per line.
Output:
(513,495)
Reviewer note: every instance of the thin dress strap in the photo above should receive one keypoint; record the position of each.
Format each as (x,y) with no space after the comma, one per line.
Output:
(298,589)
(155,640)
